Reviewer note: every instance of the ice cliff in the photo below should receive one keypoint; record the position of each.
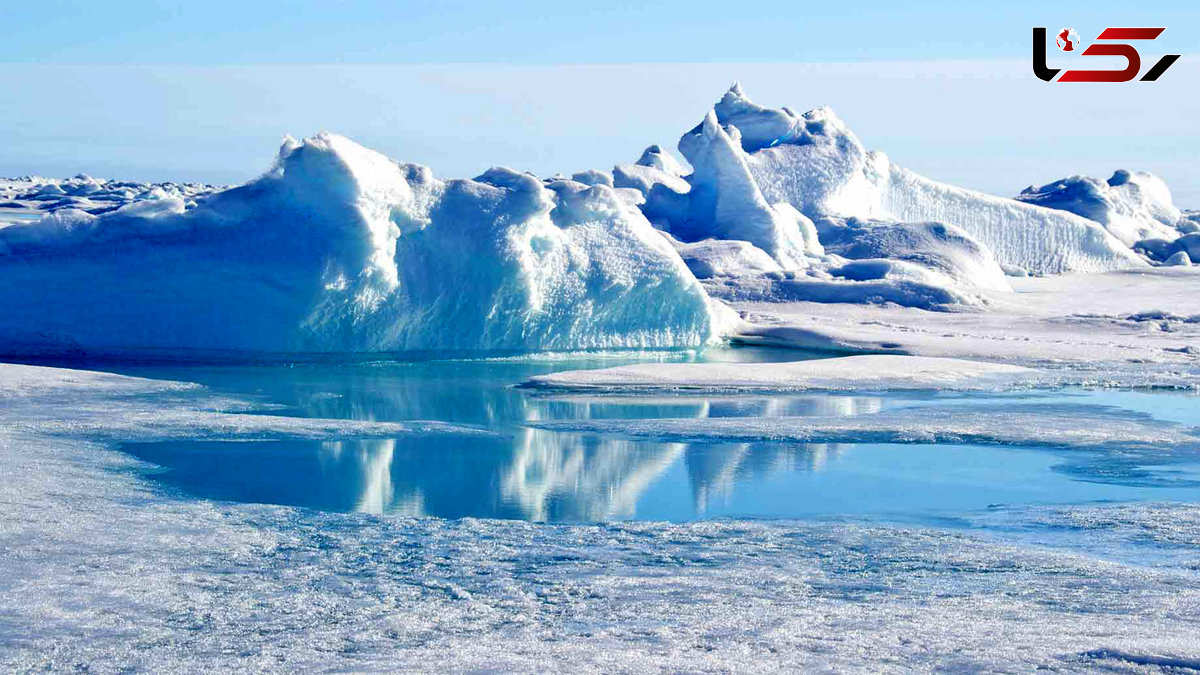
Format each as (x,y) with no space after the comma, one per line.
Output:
(340,249)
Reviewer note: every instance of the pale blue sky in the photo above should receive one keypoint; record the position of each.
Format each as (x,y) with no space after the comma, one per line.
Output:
(205,91)
(555,31)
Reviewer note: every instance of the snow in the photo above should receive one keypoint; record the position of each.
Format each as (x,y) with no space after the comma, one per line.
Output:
(874,282)
(654,167)
(928,266)
(944,249)
(1178,259)
(1132,328)
(724,258)
(656,158)
(340,249)
(874,372)
(1132,206)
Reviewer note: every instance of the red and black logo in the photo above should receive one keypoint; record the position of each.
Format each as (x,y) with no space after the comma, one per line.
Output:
(1105,45)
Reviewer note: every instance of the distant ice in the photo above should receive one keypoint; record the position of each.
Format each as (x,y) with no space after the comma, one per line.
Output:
(92,195)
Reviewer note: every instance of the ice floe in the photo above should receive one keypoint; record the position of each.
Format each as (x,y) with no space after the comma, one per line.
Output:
(863,372)
(1030,425)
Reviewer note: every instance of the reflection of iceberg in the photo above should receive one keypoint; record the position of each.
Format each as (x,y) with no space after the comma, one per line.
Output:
(538,475)
(794,406)
(521,472)
(714,470)
(567,477)
(378,494)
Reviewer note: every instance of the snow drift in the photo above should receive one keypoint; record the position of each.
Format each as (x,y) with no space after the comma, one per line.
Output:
(340,249)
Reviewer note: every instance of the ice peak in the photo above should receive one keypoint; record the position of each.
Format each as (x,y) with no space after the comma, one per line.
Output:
(1120,177)
(763,127)
(288,145)
(657,158)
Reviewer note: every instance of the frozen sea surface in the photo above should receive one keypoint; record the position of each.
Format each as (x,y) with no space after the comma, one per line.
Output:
(357,546)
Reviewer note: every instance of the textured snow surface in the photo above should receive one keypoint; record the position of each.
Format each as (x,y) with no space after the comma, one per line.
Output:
(339,249)
(104,573)
(724,258)
(941,249)
(863,372)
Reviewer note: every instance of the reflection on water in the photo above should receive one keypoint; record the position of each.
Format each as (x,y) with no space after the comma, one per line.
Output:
(531,475)
(543,475)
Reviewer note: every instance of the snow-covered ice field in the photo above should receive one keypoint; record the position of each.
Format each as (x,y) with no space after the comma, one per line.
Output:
(779,405)
(114,564)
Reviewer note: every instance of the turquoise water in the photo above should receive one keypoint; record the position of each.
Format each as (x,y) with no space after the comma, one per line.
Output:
(533,474)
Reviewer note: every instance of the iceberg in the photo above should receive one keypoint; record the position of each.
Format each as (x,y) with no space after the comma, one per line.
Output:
(753,162)
(340,249)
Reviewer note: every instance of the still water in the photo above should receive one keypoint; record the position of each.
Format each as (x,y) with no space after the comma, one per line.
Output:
(526,473)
